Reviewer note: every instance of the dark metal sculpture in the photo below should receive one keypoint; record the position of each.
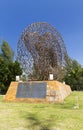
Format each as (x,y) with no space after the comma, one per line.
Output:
(42,48)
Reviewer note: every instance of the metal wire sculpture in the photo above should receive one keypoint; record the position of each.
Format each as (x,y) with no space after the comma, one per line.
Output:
(41,47)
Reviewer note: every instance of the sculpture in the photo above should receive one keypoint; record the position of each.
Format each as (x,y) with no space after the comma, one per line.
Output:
(41,48)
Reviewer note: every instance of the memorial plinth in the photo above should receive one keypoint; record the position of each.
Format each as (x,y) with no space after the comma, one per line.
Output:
(37,91)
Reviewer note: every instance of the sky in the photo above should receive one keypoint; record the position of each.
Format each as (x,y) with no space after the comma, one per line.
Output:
(65,15)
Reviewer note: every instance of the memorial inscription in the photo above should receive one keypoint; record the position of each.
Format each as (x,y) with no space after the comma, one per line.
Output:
(31,90)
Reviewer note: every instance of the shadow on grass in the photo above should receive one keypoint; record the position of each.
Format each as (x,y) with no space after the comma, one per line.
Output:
(35,122)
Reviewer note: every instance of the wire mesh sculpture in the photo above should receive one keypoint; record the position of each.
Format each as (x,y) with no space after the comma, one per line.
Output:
(41,49)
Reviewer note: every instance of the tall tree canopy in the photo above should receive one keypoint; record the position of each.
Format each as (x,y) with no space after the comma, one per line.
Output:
(6,52)
(8,68)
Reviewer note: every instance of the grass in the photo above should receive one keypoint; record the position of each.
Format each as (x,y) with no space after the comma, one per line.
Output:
(26,116)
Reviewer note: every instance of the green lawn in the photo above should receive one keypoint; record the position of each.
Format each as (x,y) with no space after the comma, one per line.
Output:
(26,116)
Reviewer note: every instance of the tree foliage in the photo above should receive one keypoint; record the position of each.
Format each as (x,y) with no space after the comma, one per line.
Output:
(8,68)
(4,71)
(6,52)
(74,75)
(14,69)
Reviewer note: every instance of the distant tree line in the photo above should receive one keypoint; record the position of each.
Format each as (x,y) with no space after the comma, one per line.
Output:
(8,67)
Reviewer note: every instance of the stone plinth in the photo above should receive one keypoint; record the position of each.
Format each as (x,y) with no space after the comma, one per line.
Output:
(55,91)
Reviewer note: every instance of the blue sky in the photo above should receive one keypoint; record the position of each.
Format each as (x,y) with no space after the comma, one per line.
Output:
(65,15)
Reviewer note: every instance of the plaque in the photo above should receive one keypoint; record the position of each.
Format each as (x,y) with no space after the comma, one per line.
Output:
(31,90)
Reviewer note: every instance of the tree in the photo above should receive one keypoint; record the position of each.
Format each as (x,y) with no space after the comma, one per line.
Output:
(4,72)
(14,70)
(8,72)
(8,68)
(6,52)
(74,75)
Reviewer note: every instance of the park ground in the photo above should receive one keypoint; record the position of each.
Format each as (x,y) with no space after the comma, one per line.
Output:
(41,116)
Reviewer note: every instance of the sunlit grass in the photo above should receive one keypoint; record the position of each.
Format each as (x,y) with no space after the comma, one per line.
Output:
(26,116)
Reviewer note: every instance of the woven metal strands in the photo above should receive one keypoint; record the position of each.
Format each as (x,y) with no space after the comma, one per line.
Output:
(41,45)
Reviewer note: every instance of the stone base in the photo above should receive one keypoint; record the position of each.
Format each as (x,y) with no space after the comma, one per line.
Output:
(55,92)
